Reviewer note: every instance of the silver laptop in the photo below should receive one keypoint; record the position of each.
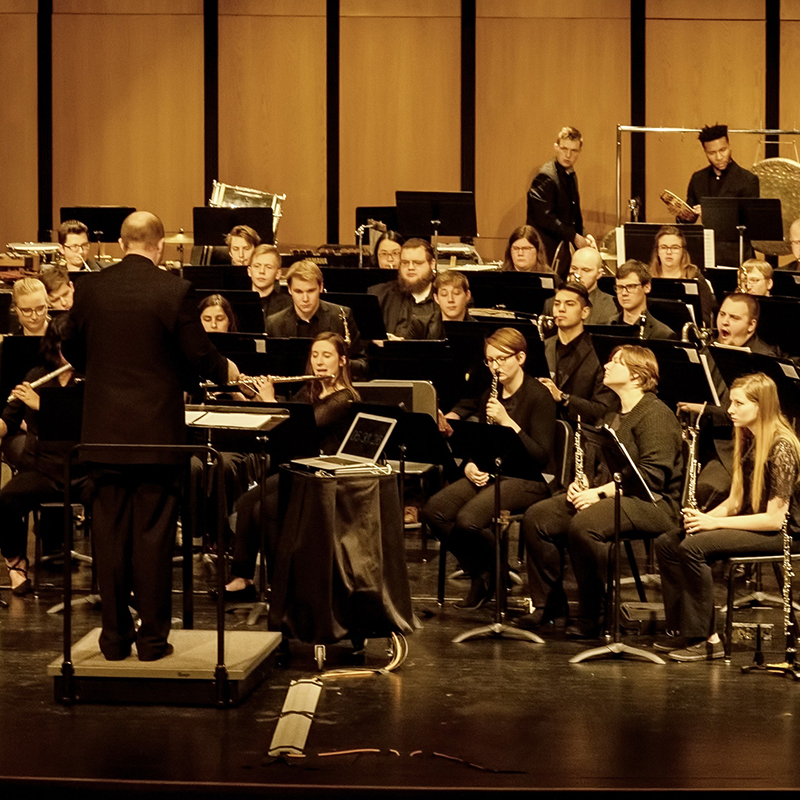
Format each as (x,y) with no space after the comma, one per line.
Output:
(360,449)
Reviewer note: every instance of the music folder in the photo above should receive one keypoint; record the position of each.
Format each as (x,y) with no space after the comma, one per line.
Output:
(234,417)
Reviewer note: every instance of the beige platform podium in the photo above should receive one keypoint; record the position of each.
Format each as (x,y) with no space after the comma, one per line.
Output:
(187,677)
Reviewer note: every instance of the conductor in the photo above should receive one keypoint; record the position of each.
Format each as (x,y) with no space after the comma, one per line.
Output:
(135,332)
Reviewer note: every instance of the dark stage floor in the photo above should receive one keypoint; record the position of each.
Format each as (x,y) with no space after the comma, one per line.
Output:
(502,715)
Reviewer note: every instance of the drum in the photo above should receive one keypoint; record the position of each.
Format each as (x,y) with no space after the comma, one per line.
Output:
(47,251)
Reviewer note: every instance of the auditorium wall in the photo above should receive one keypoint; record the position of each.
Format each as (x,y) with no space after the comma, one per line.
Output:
(128,115)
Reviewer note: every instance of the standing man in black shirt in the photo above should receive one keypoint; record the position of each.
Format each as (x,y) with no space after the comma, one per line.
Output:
(576,377)
(554,204)
(723,177)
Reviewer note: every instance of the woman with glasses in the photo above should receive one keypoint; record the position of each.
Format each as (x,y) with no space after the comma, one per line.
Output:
(461,514)
(670,259)
(525,252)
(30,303)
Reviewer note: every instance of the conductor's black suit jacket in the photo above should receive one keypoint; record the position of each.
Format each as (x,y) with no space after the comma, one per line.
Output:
(135,332)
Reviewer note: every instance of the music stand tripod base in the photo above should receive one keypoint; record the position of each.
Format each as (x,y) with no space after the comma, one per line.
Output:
(616,650)
(785,668)
(499,630)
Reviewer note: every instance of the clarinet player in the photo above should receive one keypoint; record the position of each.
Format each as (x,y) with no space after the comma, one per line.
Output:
(764,490)
(461,514)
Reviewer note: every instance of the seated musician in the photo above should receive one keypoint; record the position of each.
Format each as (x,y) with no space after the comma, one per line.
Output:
(264,271)
(632,285)
(794,243)
(73,242)
(461,514)
(758,280)
(576,381)
(41,471)
(764,491)
(242,242)
(525,252)
(452,295)
(60,289)
(737,326)
(407,304)
(670,259)
(331,398)
(586,268)
(216,315)
(309,316)
(387,250)
(30,303)
(582,519)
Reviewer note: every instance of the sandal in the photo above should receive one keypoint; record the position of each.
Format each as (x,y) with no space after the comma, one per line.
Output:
(26,586)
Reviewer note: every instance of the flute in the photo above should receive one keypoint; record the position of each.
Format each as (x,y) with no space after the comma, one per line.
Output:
(45,378)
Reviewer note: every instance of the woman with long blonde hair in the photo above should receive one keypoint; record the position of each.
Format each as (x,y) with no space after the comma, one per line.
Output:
(749,521)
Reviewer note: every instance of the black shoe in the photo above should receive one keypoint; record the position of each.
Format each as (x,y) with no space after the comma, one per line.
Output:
(669,642)
(167,651)
(581,629)
(532,622)
(479,593)
(699,651)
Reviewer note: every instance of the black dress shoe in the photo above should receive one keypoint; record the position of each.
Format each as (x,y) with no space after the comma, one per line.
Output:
(581,629)
(532,621)
(159,654)
(479,593)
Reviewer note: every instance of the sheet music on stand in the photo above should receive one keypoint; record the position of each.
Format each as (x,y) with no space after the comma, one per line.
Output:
(234,417)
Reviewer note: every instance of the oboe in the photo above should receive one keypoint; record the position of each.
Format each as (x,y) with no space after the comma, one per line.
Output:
(581,481)
(45,378)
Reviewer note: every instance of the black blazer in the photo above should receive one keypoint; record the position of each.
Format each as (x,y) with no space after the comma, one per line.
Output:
(550,208)
(135,332)
(589,396)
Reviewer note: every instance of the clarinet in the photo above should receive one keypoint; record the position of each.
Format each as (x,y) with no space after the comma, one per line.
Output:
(493,394)
(692,463)
(642,323)
(343,315)
(581,481)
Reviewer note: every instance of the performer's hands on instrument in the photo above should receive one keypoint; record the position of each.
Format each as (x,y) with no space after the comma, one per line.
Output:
(581,241)
(476,476)
(496,411)
(552,388)
(27,395)
(695,521)
(582,498)
(233,372)
(264,389)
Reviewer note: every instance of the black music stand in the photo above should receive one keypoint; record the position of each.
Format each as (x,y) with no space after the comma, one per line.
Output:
(515,291)
(617,459)
(743,219)
(366,311)
(429,215)
(355,280)
(5,312)
(498,450)
(212,225)
(777,323)
(786,283)
(20,354)
(104,222)
(217,277)
(385,214)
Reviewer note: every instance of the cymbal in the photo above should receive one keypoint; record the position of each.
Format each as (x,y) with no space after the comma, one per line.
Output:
(179,238)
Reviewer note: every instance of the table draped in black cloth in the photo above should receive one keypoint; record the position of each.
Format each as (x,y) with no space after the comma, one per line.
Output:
(340,570)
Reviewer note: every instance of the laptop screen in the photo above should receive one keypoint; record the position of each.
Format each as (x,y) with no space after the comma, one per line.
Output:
(367,436)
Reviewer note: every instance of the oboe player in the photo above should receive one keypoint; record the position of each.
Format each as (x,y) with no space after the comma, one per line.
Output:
(583,520)
(765,488)
(460,515)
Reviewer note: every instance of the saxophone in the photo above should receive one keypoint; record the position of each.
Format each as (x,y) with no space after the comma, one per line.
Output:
(581,481)
(343,315)
(692,463)
(493,394)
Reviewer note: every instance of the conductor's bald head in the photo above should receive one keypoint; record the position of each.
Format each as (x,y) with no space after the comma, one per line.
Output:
(142,233)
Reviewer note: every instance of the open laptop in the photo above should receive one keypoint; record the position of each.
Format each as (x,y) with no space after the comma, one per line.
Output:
(360,449)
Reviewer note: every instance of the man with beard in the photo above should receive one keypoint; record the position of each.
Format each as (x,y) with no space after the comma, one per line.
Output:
(408,306)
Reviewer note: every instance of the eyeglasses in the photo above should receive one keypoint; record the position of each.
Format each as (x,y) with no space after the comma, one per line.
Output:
(500,360)
(523,250)
(76,248)
(38,311)
(670,248)
(626,288)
